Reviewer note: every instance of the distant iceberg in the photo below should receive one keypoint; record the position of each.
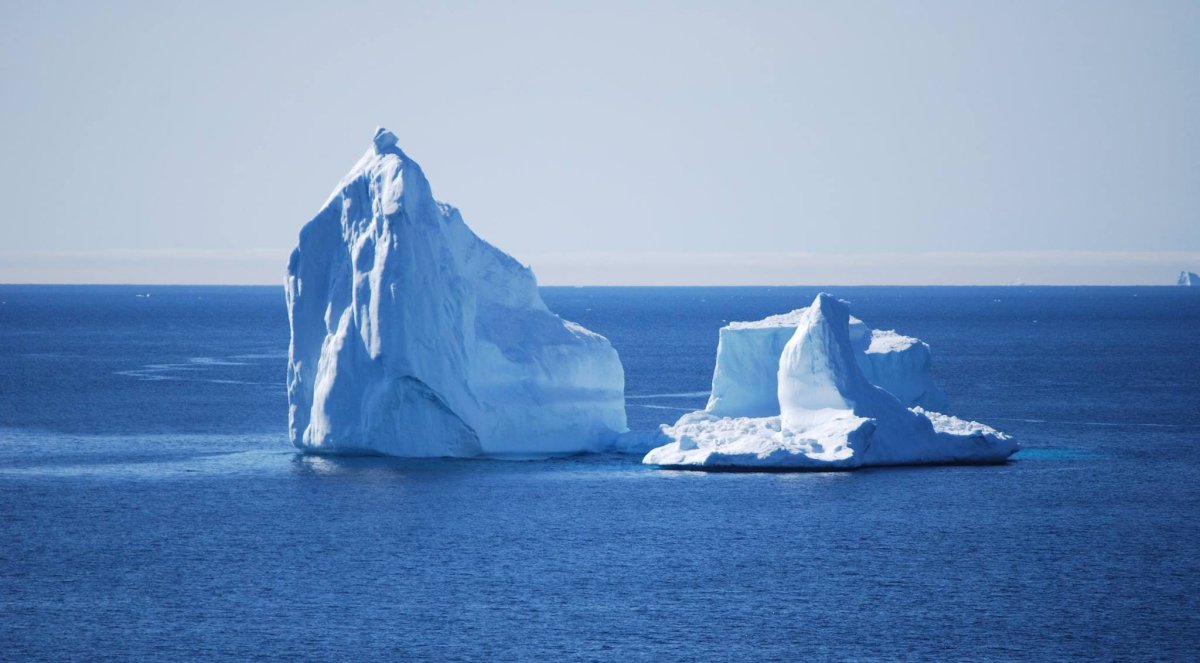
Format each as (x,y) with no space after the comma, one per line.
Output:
(828,404)
(411,336)
(1188,278)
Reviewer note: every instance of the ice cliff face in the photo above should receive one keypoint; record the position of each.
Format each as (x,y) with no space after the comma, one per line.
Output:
(830,415)
(744,381)
(411,336)
(1189,279)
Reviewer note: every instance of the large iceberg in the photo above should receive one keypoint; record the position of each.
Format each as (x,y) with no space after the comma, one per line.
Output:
(1188,279)
(829,409)
(411,336)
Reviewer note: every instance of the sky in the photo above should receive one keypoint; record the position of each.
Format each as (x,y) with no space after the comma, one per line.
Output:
(610,142)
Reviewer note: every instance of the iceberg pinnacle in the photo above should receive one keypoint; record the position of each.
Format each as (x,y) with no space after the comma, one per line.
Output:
(817,370)
(385,141)
(830,415)
(1188,279)
(411,336)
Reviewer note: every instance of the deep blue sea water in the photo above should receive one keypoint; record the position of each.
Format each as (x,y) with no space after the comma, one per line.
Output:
(151,508)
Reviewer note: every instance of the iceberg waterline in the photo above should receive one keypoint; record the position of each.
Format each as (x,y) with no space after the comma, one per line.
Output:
(411,336)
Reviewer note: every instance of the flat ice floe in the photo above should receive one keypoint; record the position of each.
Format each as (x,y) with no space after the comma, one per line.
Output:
(826,405)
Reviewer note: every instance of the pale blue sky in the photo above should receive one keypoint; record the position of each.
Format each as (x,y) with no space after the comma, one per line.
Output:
(690,142)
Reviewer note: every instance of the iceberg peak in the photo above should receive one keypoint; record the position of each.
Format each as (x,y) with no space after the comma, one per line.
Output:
(386,142)
(818,363)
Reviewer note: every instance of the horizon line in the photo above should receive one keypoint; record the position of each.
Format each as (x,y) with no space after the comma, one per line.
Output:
(266,266)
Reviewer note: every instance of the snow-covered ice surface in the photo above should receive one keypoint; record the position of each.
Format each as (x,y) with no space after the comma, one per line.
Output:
(411,336)
(827,414)
(1189,279)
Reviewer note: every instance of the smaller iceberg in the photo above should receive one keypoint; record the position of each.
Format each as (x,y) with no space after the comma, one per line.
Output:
(833,406)
(1188,279)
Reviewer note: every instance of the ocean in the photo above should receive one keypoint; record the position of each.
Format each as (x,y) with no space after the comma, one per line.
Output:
(151,507)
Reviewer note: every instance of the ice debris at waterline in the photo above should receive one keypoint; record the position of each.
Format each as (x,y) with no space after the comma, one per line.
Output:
(826,413)
(411,336)
(1188,279)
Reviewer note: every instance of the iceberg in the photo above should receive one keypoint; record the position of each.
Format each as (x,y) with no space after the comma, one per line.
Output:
(827,413)
(1188,279)
(411,336)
